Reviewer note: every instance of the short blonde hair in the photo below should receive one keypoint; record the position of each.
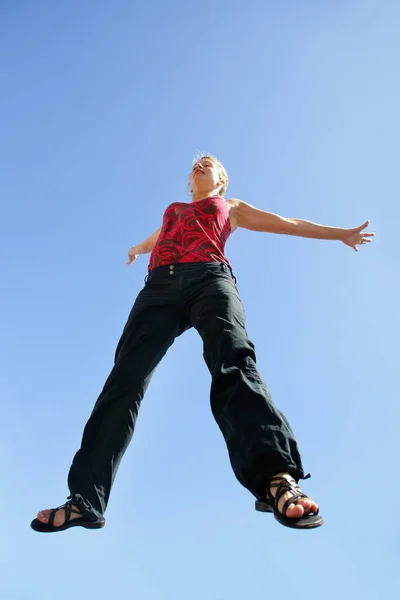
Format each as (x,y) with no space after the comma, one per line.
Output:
(221,169)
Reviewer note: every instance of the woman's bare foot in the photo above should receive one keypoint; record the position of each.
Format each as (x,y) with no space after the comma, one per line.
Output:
(60,515)
(300,507)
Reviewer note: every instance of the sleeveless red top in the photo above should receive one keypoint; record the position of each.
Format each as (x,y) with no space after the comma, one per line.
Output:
(194,232)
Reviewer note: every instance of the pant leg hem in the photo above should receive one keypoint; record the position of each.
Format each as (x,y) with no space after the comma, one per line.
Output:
(260,483)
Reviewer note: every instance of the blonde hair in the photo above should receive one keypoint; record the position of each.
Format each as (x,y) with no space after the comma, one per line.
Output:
(221,169)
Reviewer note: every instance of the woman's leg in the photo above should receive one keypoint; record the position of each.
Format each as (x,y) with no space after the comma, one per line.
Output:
(259,439)
(152,327)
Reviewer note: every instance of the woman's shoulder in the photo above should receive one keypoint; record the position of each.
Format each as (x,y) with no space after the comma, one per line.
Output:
(174,206)
(233,205)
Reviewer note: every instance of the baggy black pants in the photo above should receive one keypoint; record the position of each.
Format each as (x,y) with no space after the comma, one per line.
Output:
(175,298)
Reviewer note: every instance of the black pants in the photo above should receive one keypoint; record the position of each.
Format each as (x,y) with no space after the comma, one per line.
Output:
(175,298)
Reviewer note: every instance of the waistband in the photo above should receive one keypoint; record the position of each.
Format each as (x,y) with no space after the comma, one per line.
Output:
(190,267)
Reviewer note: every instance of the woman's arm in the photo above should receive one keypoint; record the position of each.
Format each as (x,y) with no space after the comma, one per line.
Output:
(144,247)
(247,216)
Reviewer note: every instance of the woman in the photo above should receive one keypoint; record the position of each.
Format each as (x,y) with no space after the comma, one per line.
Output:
(191,284)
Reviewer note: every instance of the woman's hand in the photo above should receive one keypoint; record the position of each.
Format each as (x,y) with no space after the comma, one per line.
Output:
(144,247)
(133,255)
(357,236)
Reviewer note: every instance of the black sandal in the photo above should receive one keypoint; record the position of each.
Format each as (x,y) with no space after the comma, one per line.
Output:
(68,510)
(282,485)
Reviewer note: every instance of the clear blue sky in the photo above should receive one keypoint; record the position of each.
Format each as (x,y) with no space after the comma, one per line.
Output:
(103,105)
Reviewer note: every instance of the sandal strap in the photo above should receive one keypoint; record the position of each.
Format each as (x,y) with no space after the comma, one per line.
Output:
(277,481)
(67,507)
(283,485)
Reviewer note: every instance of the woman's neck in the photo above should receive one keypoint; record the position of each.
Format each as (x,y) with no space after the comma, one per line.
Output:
(196,196)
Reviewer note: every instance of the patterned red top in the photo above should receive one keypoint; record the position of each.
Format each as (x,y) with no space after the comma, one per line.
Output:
(194,232)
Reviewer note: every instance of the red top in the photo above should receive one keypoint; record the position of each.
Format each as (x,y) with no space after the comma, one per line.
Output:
(194,232)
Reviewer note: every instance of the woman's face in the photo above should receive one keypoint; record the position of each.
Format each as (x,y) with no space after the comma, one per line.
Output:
(205,176)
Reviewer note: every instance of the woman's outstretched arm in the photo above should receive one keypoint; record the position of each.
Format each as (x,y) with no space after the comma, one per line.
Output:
(249,217)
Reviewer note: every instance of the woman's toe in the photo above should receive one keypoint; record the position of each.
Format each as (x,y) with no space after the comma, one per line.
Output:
(43,516)
(309,505)
(295,511)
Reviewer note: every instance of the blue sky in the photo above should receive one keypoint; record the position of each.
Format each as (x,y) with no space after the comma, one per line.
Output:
(103,106)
